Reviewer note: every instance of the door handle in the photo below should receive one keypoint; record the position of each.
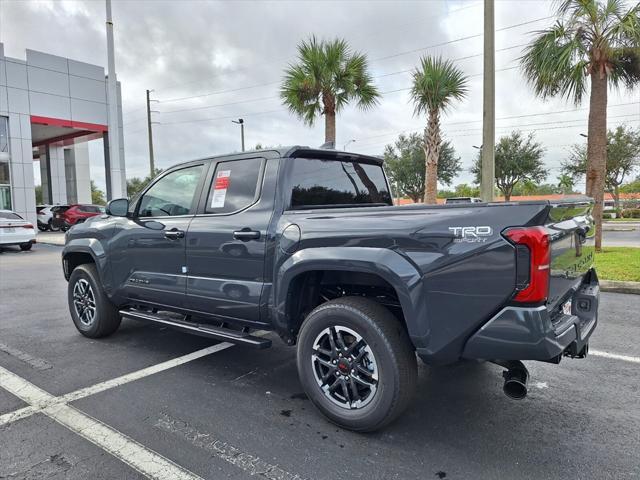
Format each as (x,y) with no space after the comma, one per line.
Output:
(174,234)
(246,234)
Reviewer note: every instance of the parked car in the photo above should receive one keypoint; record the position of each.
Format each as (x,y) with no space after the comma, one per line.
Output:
(359,285)
(452,200)
(15,230)
(45,217)
(66,216)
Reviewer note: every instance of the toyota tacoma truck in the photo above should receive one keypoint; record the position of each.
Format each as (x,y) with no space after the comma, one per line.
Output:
(307,243)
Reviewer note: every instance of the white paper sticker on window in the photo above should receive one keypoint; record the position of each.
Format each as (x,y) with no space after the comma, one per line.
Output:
(220,187)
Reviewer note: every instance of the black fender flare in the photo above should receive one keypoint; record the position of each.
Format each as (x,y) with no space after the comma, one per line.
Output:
(389,265)
(92,247)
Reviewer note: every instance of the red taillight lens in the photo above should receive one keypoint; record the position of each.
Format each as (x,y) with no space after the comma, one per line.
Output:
(536,240)
(27,225)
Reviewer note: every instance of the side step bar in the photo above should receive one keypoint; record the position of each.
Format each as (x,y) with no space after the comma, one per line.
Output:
(203,330)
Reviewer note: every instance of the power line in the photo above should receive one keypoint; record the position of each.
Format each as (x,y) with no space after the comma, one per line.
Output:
(500,118)
(456,133)
(282,59)
(455,40)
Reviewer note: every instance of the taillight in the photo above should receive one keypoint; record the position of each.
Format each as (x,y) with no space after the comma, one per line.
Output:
(532,281)
(27,225)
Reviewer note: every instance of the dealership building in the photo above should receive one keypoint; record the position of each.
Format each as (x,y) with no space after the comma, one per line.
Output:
(50,108)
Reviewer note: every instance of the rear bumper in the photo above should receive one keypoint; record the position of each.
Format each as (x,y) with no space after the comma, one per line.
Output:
(531,333)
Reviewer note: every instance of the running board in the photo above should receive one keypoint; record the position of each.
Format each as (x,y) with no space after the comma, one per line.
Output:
(203,330)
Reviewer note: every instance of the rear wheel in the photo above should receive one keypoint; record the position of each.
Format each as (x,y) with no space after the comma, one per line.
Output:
(25,246)
(356,363)
(93,314)
(52,228)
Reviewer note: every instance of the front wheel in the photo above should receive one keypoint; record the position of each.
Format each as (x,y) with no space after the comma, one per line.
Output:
(25,246)
(93,314)
(356,363)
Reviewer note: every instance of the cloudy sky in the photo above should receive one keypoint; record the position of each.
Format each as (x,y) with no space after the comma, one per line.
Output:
(211,61)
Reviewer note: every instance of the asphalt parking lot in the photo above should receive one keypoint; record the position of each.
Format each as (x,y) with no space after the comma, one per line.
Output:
(232,412)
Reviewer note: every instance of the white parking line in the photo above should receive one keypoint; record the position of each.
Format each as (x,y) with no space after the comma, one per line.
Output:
(614,356)
(146,461)
(145,372)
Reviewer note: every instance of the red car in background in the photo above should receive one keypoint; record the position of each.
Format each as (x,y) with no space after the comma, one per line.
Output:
(66,216)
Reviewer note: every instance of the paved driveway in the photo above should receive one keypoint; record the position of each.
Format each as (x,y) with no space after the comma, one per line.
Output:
(151,402)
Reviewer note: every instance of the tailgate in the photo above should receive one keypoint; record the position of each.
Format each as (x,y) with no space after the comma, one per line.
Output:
(571,235)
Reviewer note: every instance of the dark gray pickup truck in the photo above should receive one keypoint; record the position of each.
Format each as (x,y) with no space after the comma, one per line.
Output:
(307,243)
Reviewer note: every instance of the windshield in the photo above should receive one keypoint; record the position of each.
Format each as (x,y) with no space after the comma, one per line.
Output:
(332,183)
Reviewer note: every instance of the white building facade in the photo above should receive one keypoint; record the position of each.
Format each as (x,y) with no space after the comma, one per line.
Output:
(50,107)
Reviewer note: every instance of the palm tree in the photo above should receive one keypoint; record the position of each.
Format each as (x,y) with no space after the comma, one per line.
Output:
(436,84)
(591,42)
(326,78)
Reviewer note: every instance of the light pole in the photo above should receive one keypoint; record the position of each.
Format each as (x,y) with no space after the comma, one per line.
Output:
(344,147)
(488,172)
(241,123)
(152,165)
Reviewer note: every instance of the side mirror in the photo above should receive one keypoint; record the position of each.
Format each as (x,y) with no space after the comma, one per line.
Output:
(118,207)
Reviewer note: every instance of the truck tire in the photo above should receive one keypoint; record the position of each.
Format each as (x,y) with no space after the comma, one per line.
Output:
(356,363)
(93,314)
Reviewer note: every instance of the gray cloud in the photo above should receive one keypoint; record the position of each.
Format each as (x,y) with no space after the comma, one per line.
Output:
(185,48)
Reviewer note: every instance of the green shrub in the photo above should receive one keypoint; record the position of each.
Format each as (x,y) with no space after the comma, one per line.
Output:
(631,213)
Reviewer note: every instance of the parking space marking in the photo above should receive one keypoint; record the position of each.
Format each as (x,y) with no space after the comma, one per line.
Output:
(145,372)
(142,459)
(34,362)
(614,356)
(251,464)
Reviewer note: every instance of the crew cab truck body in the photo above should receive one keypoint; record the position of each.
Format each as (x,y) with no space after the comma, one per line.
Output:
(307,243)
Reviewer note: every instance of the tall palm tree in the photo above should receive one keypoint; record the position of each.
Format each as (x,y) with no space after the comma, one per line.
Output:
(327,76)
(591,42)
(436,84)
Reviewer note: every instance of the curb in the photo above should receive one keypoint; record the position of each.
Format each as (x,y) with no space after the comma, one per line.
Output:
(617,286)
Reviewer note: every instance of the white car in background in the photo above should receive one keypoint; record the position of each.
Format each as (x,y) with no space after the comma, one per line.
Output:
(15,230)
(45,217)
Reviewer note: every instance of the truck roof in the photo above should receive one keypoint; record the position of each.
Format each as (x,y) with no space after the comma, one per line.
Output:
(299,151)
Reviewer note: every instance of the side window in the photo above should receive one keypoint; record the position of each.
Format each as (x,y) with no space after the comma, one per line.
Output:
(172,194)
(234,185)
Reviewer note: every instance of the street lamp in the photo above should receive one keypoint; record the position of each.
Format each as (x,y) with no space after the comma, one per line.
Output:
(344,147)
(241,123)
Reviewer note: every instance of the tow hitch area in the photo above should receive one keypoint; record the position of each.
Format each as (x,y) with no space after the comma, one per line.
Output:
(573,352)
(516,377)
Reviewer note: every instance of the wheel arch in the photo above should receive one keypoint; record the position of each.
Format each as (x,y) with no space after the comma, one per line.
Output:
(82,251)
(370,267)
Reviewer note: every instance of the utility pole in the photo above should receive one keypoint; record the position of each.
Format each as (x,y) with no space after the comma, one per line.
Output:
(241,123)
(152,165)
(489,105)
(115,162)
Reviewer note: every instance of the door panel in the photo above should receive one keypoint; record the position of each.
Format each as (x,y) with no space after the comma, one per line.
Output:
(149,249)
(226,249)
(149,265)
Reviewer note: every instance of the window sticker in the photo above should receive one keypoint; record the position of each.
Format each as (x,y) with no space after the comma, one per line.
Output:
(220,187)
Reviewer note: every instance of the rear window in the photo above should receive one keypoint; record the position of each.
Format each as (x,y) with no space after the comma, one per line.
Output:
(332,183)
(10,216)
(90,209)
(60,208)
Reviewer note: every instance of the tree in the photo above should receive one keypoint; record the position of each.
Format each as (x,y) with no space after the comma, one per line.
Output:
(436,84)
(461,190)
(405,160)
(135,185)
(631,187)
(518,159)
(595,41)
(326,78)
(623,157)
(97,195)
(565,183)
(39,196)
